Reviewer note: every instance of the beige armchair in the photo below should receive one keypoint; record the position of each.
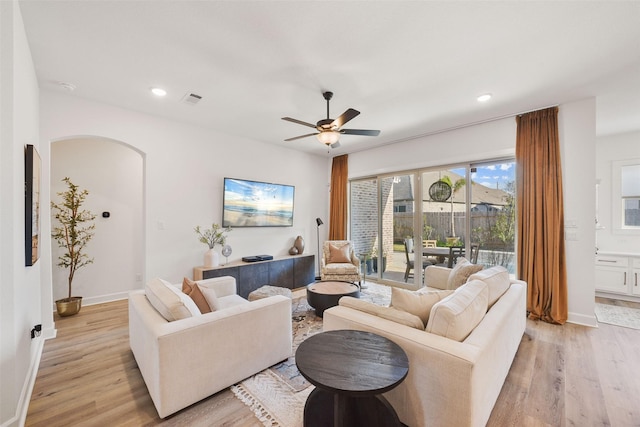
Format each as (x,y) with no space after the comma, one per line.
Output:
(339,261)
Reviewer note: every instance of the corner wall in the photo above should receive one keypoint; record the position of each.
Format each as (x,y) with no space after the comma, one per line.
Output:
(20,286)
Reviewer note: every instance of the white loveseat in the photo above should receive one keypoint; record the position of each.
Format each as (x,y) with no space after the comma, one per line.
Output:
(186,360)
(450,383)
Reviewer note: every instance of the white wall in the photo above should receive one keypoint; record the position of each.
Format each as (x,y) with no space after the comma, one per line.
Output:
(113,174)
(609,149)
(497,139)
(577,131)
(20,296)
(488,140)
(184,170)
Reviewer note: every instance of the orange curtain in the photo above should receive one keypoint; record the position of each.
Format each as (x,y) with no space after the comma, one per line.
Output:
(338,200)
(541,256)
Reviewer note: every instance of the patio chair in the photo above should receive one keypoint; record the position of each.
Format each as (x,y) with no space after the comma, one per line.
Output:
(408,247)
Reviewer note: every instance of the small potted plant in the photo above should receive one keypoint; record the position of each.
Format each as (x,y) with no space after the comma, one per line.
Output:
(211,237)
(74,232)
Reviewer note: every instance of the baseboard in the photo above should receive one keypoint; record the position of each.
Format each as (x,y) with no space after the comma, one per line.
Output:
(581,319)
(27,388)
(101,299)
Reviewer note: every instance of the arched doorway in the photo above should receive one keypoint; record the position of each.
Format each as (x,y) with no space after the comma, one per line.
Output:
(113,173)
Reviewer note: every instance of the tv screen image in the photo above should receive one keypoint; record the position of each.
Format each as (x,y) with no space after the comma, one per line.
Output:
(257,204)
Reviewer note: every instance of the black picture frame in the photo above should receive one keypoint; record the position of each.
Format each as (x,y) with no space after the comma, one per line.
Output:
(32,173)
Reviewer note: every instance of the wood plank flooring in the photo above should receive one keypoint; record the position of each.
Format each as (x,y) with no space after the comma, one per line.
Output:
(567,375)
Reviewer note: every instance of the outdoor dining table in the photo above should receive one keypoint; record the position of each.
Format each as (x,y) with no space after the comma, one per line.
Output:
(443,253)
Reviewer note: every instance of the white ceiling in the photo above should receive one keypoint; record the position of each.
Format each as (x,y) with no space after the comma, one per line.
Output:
(411,67)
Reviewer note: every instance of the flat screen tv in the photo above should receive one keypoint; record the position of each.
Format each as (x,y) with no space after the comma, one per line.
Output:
(256,204)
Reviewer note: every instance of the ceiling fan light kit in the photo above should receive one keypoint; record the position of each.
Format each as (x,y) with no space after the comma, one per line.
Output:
(329,130)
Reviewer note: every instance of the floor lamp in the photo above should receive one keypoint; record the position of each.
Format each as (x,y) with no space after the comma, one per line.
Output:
(319,222)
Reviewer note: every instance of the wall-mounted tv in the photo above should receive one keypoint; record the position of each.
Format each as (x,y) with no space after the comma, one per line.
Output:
(256,204)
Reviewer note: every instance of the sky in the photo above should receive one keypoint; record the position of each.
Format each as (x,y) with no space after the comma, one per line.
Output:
(495,176)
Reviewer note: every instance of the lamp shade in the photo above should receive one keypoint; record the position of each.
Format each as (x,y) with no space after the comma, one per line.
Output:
(319,222)
(328,137)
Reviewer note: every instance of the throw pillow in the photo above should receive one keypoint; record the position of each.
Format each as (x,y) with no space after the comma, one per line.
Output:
(341,254)
(457,315)
(461,272)
(190,288)
(211,297)
(418,303)
(388,313)
(496,278)
(169,301)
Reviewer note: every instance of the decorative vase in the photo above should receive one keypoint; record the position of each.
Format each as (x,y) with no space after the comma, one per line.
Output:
(299,244)
(211,258)
(68,306)
(293,251)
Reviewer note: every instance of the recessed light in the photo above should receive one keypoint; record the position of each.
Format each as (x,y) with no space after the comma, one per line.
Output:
(158,91)
(484,97)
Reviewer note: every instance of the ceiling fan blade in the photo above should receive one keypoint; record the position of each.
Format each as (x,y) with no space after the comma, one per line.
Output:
(301,136)
(365,132)
(300,122)
(344,118)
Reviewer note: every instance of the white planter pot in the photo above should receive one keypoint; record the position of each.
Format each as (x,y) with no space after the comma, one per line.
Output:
(211,258)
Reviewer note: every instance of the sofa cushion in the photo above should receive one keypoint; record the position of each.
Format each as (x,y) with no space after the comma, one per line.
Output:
(418,302)
(458,314)
(231,301)
(389,313)
(191,288)
(497,279)
(461,272)
(169,301)
(340,268)
(339,254)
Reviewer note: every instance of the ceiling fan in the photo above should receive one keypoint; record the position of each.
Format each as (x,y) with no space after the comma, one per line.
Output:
(329,130)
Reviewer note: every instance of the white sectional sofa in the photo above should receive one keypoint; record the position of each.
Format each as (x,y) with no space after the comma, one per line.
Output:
(184,361)
(450,383)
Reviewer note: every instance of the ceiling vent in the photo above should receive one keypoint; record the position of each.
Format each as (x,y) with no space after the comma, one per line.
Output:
(191,98)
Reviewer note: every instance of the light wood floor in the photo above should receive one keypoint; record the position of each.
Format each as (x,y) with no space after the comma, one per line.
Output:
(562,376)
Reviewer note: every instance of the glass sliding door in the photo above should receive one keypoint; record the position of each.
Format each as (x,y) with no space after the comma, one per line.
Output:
(444,207)
(492,213)
(466,210)
(398,209)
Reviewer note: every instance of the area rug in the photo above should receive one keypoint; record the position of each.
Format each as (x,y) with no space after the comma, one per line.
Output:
(277,395)
(616,315)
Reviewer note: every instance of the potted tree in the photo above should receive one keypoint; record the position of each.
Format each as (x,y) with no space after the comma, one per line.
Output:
(453,240)
(74,231)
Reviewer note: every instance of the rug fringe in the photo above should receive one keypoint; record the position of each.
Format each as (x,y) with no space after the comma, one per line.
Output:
(263,415)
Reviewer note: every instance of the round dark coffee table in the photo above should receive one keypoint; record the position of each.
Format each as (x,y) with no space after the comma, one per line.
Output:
(323,295)
(351,370)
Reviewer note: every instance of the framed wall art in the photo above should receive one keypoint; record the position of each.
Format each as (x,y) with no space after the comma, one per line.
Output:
(32,172)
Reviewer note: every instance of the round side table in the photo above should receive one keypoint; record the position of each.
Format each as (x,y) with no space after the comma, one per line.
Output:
(351,370)
(323,295)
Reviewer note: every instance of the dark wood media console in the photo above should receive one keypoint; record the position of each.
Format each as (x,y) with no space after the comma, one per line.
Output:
(291,272)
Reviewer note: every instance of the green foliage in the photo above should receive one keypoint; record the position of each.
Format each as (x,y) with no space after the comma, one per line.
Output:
(212,236)
(75,229)
(454,188)
(505,227)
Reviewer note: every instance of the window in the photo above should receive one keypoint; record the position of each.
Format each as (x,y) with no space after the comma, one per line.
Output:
(631,195)
(626,196)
